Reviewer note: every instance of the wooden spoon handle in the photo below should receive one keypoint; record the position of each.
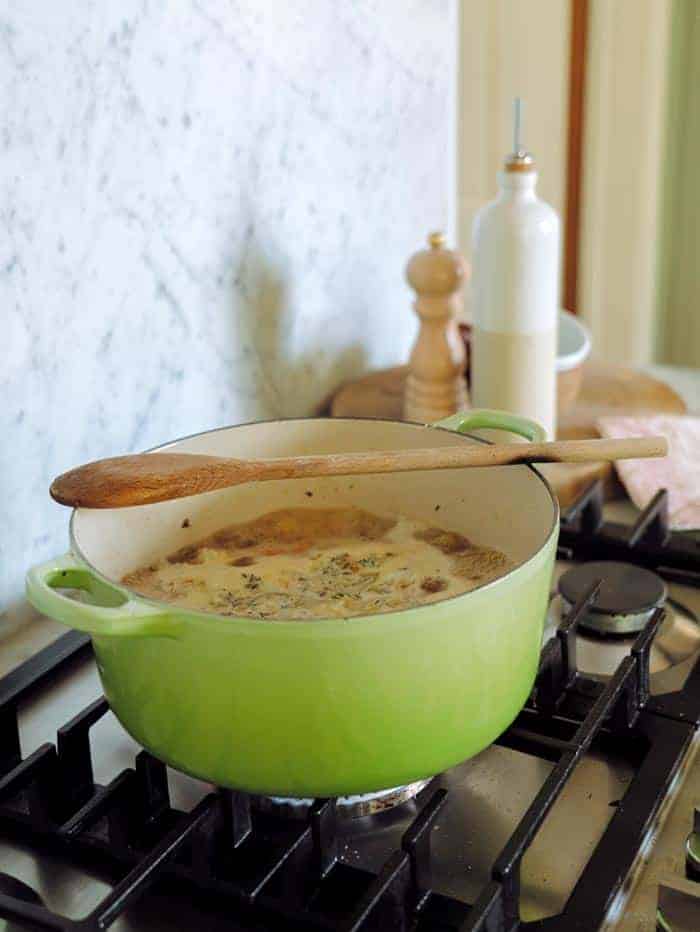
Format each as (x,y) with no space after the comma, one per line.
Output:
(458,456)
(155,477)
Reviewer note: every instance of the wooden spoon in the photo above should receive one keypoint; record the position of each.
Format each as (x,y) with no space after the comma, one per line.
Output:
(156,477)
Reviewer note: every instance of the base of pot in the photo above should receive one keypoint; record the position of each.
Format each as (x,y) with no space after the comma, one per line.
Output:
(349,807)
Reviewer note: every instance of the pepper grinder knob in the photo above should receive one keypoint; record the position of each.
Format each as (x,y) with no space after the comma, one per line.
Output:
(435,385)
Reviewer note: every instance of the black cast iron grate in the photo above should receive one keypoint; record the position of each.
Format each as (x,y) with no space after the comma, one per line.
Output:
(584,535)
(262,869)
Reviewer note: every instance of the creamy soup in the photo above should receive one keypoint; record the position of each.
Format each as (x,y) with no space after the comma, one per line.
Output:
(319,563)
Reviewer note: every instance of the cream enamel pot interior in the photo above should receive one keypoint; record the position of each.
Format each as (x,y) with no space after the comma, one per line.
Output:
(327,707)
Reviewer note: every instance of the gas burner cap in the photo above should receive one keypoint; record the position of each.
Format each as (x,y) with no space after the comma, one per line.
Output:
(351,807)
(628,595)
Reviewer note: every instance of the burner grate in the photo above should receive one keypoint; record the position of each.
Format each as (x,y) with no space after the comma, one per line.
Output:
(584,535)
(287,874)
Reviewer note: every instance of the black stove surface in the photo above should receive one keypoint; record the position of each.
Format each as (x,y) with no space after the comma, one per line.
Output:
(240,868)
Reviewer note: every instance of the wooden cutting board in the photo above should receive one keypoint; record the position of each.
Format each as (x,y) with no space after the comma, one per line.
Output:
(606,389)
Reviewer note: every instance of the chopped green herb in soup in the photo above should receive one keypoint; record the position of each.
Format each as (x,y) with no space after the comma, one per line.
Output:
(319,563)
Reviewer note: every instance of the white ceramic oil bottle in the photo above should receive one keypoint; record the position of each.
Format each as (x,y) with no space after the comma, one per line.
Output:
(515,258)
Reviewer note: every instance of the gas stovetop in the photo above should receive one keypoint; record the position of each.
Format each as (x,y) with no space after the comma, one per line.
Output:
(580,816)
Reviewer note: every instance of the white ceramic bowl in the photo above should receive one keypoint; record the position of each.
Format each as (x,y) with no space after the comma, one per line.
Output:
(574,343)
(573,348)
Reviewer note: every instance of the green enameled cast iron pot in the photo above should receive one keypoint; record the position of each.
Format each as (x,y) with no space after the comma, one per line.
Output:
(329,707)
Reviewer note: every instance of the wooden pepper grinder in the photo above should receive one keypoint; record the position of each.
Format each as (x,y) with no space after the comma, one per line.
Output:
(435,385)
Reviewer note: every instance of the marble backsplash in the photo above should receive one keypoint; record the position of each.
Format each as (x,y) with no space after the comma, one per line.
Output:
(207,207)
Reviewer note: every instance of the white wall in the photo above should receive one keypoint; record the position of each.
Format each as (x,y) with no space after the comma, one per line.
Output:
(207,208)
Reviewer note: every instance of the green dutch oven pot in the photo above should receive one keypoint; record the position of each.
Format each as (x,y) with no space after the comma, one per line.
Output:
(328,707)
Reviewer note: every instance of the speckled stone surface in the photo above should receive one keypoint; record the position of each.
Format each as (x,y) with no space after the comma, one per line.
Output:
(207,207)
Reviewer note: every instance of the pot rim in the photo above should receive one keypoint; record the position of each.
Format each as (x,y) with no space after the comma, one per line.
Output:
(213,617)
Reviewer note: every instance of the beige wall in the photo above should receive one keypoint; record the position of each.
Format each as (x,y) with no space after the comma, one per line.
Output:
(508,49)
(678,307)
(623,155)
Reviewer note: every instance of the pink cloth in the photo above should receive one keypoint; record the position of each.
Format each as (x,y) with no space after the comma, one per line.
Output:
(679,472)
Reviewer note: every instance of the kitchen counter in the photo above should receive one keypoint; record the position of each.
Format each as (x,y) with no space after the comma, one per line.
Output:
(684,381)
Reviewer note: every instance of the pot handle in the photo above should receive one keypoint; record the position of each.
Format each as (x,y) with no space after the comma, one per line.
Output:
(464,421)
(113,614)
